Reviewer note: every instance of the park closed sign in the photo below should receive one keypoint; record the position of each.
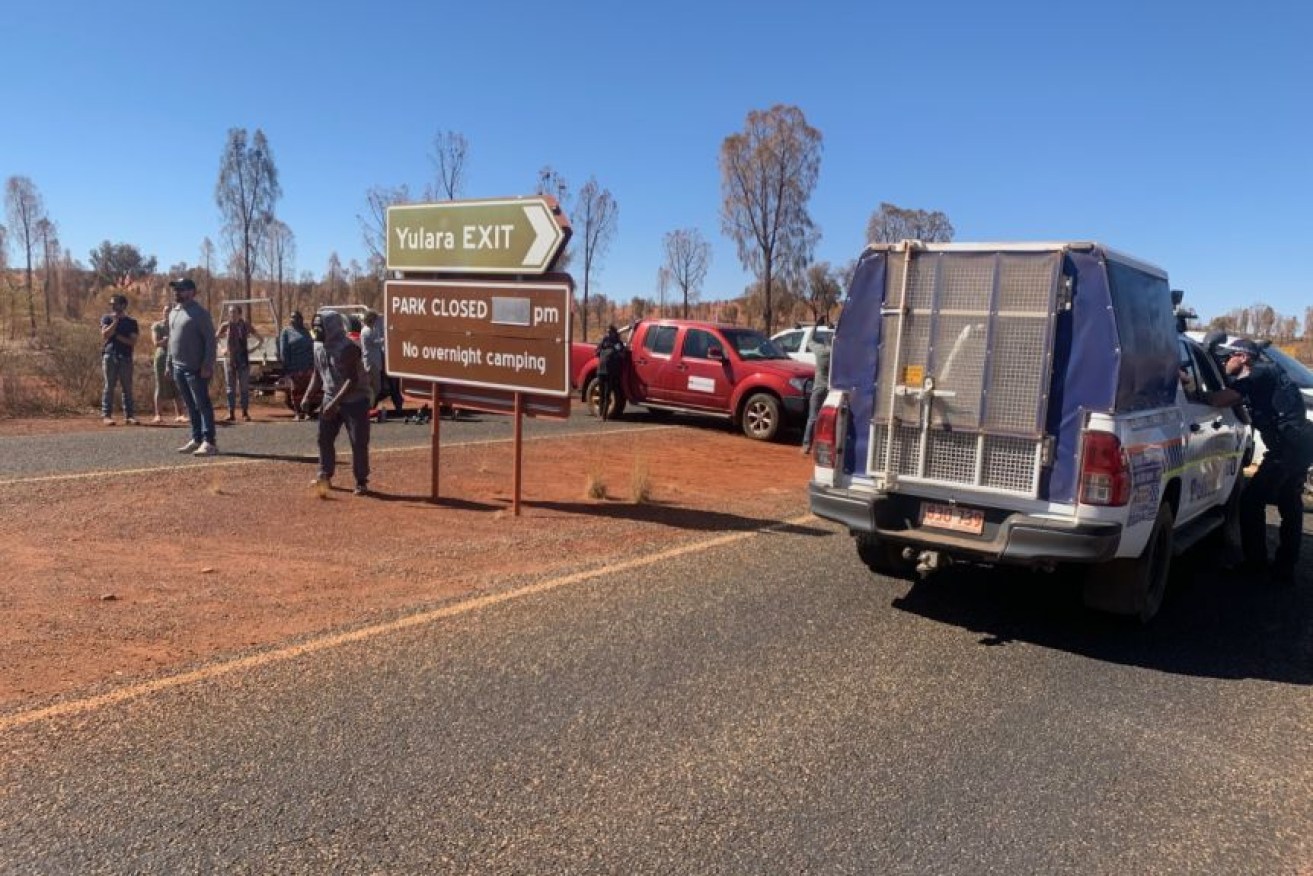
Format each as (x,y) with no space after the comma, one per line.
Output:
(505,335)
(498,236)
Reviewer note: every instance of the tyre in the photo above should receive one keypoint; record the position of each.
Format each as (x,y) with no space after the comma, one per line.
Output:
(761,417)
(883,557)
(593,396)
(1135,587)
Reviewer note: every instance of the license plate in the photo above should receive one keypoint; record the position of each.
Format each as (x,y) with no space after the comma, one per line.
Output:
(953,517)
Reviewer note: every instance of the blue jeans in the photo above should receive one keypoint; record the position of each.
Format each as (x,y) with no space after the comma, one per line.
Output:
(235,376)
(813,410)
(195,393)
(355,415)
(118,373)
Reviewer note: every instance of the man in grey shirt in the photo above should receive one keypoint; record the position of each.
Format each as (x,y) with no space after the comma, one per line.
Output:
(192,352)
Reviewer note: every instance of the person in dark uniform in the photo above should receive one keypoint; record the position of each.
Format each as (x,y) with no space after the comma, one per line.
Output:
(610,356)
(1278,412)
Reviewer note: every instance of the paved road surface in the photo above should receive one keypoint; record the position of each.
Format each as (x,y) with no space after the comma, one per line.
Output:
(763,705)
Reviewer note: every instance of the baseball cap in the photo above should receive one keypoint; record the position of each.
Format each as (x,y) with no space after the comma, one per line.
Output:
(182,284)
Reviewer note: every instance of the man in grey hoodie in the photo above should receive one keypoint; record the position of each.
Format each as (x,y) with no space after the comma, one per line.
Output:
(340,370)
(192,351)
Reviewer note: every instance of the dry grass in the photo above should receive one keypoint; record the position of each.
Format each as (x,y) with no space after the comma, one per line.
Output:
(595,484)
(640,483)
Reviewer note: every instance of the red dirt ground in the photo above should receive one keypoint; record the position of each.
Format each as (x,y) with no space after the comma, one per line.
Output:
(223,558)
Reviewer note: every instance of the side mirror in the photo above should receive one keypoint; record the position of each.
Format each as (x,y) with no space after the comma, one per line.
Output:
(715,353)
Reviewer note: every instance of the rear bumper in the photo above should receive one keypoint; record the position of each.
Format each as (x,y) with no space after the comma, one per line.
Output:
(1008,537)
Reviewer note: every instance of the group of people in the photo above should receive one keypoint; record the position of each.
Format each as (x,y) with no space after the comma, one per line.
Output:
(323,359)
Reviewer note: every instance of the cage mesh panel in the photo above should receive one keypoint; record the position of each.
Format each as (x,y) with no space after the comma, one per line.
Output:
(969,300)
(1026,282)
(1009,463)
(1016,375)
(907,449)
(959,367)
(966,281)
(951,456)
(921,289)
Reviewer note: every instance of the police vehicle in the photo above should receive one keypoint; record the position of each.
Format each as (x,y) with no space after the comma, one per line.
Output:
(1023,403)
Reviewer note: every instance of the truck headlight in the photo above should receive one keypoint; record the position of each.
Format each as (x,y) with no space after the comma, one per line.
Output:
(802,384)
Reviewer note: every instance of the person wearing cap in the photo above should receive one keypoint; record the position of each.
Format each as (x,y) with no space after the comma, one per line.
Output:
(192,354)
(118,335)
(296,350)
(1278,412)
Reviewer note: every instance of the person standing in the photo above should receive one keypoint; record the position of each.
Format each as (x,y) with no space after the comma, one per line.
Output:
(118,335)
(1278,412)
(296,350)
(340,369)
(192,352)
(374,345)
(165,390)
(610,355)
(820,388)
(236,333)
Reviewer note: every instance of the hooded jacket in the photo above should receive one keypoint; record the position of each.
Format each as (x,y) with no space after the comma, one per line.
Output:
(338,359)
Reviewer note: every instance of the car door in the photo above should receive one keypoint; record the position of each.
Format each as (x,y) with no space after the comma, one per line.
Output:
(1211,438)
(703,380)
(650,361)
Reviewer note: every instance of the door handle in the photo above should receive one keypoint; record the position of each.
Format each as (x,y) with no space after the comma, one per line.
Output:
(1195,427)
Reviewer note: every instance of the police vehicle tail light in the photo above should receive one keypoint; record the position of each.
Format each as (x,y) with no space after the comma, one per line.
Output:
(823,442)
(1105,475)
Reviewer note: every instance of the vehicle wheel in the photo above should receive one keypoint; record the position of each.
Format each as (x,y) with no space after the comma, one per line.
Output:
(761,417)
(883,557)
(593,396)
(1135,587)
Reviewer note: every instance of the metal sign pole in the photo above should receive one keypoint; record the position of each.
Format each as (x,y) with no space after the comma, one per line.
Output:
(433,443)
(519,418)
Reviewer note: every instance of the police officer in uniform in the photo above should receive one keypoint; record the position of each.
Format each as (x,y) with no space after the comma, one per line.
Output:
(1277,409)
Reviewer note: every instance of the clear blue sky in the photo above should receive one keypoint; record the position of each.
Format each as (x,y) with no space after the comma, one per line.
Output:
(1175,133)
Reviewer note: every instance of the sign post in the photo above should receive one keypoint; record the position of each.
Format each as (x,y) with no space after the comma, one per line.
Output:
(494,345)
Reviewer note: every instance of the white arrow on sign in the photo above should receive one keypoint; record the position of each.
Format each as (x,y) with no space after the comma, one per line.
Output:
(545,231)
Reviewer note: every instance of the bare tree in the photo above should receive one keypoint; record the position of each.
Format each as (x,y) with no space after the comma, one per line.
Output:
(374,223)
(25,209)
(334,279)
(282,264)
(767,174)
(595,219)
(48,235)
(688,256)
(450,149)
(247,193)
(663,288)
(821,290)
(891,223)
(208,256)
(552,183)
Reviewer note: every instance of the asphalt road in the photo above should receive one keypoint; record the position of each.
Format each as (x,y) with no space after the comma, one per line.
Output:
(760,705)
(135,448)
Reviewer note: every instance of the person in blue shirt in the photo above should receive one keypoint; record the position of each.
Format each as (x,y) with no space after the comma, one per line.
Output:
(118,335)
(1278,412)
(296,350)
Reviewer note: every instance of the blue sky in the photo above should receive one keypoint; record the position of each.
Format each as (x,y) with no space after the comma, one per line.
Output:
(1178,135)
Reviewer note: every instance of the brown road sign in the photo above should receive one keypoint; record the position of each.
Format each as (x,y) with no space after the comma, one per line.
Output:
(504,236)
(513,336)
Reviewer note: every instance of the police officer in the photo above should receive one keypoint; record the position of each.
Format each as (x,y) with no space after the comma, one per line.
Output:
(1277,409)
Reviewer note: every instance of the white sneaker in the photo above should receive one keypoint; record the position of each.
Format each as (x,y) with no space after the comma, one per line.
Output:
(189,447)
(206,449)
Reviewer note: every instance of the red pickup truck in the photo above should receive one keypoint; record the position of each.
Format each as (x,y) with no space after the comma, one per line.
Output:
(703,368)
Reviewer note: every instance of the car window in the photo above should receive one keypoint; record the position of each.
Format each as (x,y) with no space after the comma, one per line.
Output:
(789,341)
(1206,369)
(697,342)
(752,345)
(660,340)
(1296,370)
(824,336)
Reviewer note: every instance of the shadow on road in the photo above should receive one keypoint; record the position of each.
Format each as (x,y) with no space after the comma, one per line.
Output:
(1214,624)
(309,459)
(676,517)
